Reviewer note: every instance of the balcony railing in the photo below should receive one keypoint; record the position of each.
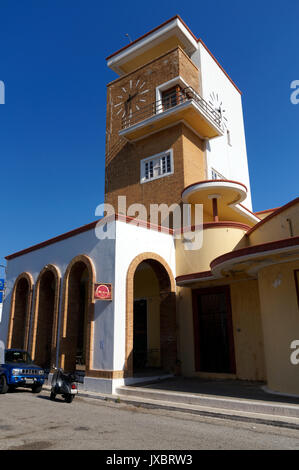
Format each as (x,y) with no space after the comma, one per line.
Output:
(171,101)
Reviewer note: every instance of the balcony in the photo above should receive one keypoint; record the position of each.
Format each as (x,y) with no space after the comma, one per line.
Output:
(184,105)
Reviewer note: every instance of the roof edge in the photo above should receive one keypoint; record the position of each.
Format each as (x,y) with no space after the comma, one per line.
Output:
(176,17)
(274,214)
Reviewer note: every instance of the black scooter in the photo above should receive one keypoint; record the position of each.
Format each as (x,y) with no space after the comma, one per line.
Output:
(63,384)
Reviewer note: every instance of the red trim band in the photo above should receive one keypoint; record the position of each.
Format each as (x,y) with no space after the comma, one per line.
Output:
(194,276)
(213,181)
(86,228)
(269,246)
(194,37)
(219,224)
(150,32)
(267,210)
(225,73)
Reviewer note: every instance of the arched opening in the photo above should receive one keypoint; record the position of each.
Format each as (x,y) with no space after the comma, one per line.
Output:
(151,318)
(78,316)
(45,317)
(20,312)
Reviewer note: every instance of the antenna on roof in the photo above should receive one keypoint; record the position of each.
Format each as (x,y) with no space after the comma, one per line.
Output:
(128,36)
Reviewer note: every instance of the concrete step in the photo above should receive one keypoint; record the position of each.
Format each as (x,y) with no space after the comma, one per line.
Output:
(210,401)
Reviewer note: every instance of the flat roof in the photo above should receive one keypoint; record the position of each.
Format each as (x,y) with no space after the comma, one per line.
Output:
(112,59)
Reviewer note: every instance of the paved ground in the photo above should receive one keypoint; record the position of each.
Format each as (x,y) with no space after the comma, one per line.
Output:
(30,421)
(222,388)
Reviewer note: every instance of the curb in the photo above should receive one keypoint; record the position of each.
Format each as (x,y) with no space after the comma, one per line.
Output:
(236,416)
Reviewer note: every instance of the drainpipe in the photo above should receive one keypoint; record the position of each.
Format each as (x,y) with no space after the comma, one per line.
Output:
(214,198)
(290,227)
(215,209)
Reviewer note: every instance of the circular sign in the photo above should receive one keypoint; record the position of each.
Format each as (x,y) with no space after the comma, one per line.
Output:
(102,291)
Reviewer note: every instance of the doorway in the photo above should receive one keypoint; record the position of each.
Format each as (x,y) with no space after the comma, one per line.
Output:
(74,342)
(151,318)
(140,347)
(20,313)
(43,336)
(213,331)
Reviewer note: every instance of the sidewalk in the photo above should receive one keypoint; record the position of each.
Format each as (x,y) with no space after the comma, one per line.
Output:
(223,399)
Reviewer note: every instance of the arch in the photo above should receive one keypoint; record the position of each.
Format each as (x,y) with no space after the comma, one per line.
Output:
(168,337)
(67,327)
(20,312)
(43,340)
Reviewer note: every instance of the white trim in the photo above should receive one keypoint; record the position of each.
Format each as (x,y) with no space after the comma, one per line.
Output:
(245,212)
(213,185)
(156,117)
(217,270)
(166,85)
(157,156)
(151,40)
(181,121)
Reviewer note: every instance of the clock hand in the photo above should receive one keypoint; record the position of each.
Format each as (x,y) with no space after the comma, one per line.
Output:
(131,97)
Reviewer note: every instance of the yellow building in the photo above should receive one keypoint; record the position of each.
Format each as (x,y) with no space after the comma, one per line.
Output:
(215,293)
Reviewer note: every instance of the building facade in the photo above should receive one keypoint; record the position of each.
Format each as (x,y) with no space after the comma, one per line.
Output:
(225,306)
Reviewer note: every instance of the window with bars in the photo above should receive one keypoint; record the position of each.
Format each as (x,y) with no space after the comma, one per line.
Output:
(157,166)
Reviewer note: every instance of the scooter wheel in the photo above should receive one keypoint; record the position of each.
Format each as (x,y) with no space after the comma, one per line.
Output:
(69,398)
(52,396)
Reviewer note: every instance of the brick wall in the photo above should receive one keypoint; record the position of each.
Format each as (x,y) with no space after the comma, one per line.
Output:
(123,161)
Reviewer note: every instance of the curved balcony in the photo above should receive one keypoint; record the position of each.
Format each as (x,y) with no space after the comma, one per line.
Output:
(184,105)
(221,200)
(231,192)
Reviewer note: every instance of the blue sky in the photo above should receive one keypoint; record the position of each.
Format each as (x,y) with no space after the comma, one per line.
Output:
(52,127)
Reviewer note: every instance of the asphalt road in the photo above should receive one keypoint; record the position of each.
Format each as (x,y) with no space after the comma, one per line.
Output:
(33,422)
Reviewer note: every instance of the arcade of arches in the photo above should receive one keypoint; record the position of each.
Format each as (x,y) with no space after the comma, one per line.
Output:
(151,341)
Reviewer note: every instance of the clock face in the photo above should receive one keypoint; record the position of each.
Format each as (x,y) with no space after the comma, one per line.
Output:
(217,103)
(131,98)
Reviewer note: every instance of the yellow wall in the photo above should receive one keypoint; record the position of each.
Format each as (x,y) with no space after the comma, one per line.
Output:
(247,326)
(194,157)
(277,227)
(216,242)
(247,330)
(151,54)
(280,319)
(146,286)
(186,335)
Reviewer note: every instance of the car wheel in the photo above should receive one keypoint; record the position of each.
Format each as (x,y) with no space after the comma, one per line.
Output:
(37,388)
(3,384)
(52,396)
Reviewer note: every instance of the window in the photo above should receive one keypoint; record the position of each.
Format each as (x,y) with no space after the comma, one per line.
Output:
(171,97)
(156,166)
(216,175)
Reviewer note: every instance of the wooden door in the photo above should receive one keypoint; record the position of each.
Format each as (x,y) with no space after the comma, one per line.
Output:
(213,330)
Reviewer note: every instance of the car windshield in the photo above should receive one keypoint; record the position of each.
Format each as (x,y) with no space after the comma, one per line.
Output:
(17,357)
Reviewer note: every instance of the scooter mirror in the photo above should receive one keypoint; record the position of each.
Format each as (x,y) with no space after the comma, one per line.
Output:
(2,350)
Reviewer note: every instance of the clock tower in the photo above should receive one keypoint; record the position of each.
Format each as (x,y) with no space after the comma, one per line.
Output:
(162,119)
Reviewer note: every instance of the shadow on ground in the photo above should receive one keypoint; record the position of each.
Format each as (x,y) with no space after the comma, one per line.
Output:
(224,388)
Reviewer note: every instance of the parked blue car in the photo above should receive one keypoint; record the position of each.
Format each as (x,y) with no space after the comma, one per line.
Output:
(18,370)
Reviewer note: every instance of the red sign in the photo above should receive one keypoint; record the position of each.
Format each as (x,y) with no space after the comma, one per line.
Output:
(103,291)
